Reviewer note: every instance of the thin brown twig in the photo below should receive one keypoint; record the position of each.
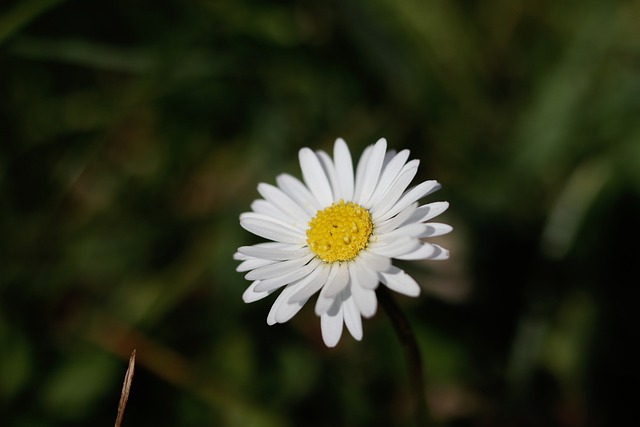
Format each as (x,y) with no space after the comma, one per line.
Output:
(126,386)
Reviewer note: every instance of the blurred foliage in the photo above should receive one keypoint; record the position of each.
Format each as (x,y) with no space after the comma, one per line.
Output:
(132,134)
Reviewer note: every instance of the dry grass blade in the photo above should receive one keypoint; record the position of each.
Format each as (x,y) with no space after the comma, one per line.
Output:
(126,386)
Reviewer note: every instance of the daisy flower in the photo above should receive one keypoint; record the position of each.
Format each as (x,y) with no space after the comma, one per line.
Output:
(336,233)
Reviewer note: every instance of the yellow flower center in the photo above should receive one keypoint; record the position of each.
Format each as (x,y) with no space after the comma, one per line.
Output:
(339,232)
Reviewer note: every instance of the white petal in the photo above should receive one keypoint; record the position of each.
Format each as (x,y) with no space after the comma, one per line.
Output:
(374,261)
(263,207)
(352,318)
(314,177)
(403,217)
(409,230)
(390,173)
(325,300)
(266,251)
(425,251)
(429,211)
(436,229)
(253,263)
(440,254)
(371,173)
(240,256)
(271,317)
(284,203)
(271,228)
(399,281)
(331,325)
(295,189)
(365,299)
(395,248)
(344,170)
(391,196)
(323,304)
(288,278)
(283,309)
(251,295)
(367,278)
(412,196)
(338,282)
(360,171)
(287,310)
(278,268)
(389,155)
(314,282)
(330,171)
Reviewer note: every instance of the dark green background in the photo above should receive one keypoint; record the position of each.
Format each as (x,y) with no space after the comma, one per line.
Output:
(133,133)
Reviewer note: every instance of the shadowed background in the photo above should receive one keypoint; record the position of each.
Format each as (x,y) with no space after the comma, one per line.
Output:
(133,134)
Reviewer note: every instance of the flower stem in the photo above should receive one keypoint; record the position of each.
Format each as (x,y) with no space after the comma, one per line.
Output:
(403,329)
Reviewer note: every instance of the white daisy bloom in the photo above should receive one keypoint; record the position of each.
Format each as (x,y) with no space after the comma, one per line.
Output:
(336,233)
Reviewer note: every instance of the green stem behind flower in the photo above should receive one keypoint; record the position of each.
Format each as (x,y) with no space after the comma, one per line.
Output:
(403,329)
